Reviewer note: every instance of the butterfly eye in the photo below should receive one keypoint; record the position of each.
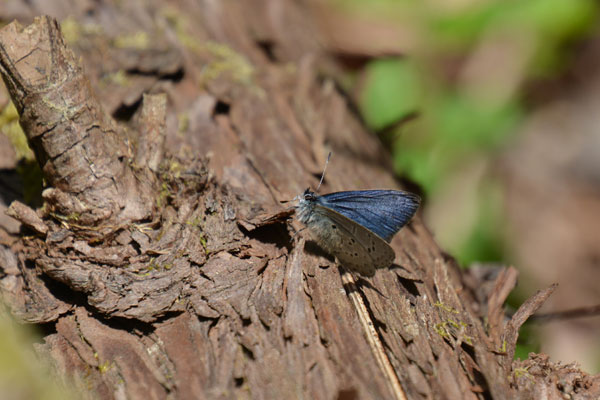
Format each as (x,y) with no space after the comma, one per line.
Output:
(308,195)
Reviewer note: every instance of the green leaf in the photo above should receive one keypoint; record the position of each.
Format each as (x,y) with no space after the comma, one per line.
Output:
(392,92)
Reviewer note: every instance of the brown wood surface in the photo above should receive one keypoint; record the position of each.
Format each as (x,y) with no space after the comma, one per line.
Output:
(162,257)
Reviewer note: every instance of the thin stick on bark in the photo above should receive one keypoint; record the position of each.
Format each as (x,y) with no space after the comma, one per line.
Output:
(372,335)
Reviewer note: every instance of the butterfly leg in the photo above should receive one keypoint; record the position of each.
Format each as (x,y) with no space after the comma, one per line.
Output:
(296,234)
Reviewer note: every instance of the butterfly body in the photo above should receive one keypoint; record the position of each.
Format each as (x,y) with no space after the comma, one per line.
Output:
(356,226)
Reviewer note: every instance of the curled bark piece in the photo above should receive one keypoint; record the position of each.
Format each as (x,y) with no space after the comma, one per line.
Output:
(511,332)
(27,217)
(505,283)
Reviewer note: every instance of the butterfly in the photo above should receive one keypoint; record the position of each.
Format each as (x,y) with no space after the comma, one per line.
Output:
(356,226)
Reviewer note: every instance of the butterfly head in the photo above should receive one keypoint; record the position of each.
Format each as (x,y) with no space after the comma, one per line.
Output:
(308,199)
(309,195)
(306,203)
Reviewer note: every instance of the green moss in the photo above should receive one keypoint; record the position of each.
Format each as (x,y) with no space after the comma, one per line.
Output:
(195,222)
(203,242)
(451,328)
(73,217)
(119,78)
(523,372)
(220,58)
(105,366)
(183,123)
(138,40)
(72,30)
(441,329)
(226,60)
(445,307)
(163,195)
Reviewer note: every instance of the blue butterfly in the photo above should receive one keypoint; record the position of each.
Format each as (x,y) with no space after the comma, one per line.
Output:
(356,226)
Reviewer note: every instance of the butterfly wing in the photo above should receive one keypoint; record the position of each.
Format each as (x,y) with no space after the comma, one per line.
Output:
(355,246)
(383,212)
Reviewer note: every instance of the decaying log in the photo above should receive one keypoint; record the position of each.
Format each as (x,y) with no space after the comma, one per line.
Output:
(167,261)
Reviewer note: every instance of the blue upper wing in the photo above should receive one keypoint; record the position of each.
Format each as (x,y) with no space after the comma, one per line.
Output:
(383,212)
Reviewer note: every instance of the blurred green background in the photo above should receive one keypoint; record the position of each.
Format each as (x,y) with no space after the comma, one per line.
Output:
(452,103)
(464,118)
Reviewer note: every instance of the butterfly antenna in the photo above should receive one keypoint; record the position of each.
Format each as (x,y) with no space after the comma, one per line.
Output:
(323,174)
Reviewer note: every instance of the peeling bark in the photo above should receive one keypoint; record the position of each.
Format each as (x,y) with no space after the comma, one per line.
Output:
(166,259)
(81,151)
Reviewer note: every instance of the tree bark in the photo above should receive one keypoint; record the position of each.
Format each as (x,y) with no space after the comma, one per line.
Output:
(166,261)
